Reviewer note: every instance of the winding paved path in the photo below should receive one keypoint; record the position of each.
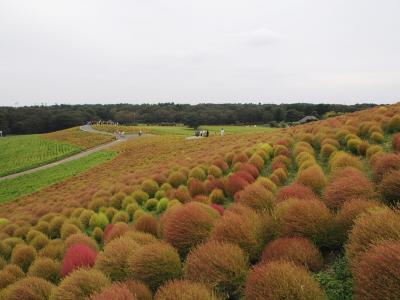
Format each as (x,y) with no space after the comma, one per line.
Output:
(88,128)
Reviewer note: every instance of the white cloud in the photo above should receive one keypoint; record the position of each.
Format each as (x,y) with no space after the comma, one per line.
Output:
(260,37)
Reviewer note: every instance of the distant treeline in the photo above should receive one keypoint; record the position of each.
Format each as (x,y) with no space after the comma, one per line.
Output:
(39,119)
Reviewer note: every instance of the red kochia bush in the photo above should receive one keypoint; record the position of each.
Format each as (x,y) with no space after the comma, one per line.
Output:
(219,265)
(385,163)
(196,187)
(113,231)
(281,280)
(296,249)
(250,168)
(77,256)
(147,224)
(235,183)
(345,188)
(377,275)
(188,225)
(219,208)
(256,196)
(295,190)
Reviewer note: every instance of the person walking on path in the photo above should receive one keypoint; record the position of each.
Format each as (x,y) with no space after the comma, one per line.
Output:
(222,132)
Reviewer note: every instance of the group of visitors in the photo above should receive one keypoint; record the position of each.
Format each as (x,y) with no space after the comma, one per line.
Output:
(206,133)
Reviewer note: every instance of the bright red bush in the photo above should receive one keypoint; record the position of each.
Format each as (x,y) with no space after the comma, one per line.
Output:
(281,280)
(235,183)
(188,225)
(250,168)
(295,190)
(77,256)
(296,249)
(377,275)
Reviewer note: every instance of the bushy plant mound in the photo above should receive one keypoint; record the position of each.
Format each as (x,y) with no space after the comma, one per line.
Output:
(113,260)
(184,290)
(377,274)
(154,264)
(187,226)
(342,160)
(396,142)
(139,237)
(219,265)
(80,284)
(370,229)
(295,190)
(147,224)
(389,187)
(77,256)
(281,280)
(32,288)
(243,226)
(298,250)
(23,256)
(115,291)
(307,218)
(256,197)
(236,183)
(46,268)
(312,177)
(113,231)
(385,163)
(10,274)
(81,239)
(346,187)
(138,289)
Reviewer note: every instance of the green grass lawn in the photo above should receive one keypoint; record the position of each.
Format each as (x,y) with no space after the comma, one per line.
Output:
(182,130)
(29,183)
(19,153)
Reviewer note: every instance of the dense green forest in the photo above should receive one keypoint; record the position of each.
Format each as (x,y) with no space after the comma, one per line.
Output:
(39,119)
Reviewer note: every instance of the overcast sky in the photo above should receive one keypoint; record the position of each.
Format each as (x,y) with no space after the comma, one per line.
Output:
(136,51)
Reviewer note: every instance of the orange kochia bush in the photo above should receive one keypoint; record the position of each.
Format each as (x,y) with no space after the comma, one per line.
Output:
(352,184)
(296,249)
(187,226)
(256,196)
(384,163)
(389,187)
(377,274)
(295,190)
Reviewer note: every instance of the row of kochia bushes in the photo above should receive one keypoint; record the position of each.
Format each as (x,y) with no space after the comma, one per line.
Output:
(173,237)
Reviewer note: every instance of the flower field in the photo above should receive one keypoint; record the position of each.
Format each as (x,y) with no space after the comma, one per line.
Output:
(308,212)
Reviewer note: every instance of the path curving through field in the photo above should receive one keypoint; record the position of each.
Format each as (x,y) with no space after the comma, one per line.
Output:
(88,128)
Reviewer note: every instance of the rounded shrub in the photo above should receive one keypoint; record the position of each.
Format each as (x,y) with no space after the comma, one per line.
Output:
(342,189)
(155,264)
(77,256)
(162,205)
(377,137)
(80,284)
(372,150)
(32,288)
(267,183)
(217,196)
(139,237)
(140,196)
(150,187)
(68,229)
(10,274)
(147,224)
(113,231)
(394,124)
(312,177)
(215,171)
(197,173)
(306,218)
(351,210)
(363,147)
(235,183)
(39,241)
(353,144)
(377,275)
(298,250)
(55,226)
(113,260)
(370,229)
(46,268)
(85,217)
(97,235)
(219,265)
(196,187)
(342,160)
(182,194)
(281,280)
(116,200)
(383,164)
(176,179)
(389,187)
(121,216)
(187,226)
(54,249)
(256,197)
(295,190)
(396,142)
(116,290)
(184,290)
(81,239)
(138,289)
(151,204)
(327,150)
(23,256)
(241,225)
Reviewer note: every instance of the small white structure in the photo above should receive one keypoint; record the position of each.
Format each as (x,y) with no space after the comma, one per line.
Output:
(1,133)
